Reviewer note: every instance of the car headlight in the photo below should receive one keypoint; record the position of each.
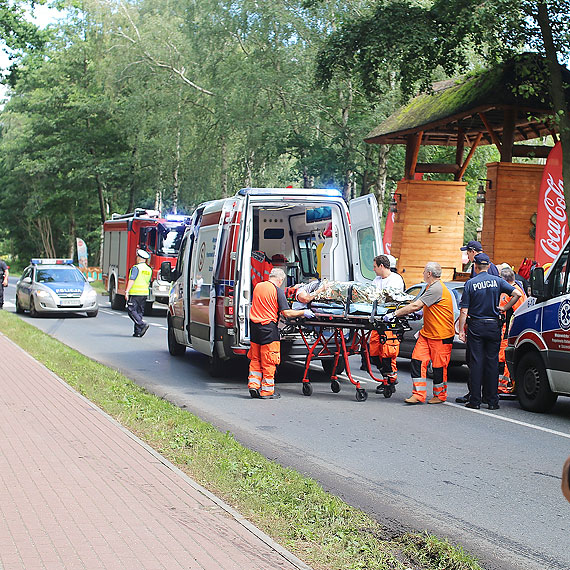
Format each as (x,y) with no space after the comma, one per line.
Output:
(91,295)
(41,294)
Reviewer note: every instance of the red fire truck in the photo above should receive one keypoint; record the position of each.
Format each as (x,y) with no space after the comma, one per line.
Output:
(123,234)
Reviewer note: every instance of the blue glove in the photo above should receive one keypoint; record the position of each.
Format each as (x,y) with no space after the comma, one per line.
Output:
(308,314)
(417,315)
(388,317)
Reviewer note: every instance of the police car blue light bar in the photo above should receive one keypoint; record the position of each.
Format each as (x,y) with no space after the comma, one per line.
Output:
(176,218)
(50,261)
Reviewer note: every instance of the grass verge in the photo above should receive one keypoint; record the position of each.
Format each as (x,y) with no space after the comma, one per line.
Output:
(317,526)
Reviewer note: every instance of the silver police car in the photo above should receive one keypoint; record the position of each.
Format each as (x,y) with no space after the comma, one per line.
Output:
(55,286)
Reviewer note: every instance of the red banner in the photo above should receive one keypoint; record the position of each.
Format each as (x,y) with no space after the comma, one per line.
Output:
(387,239)
(551,219)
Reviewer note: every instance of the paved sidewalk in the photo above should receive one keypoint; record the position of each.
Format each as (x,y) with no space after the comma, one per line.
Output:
(77,490)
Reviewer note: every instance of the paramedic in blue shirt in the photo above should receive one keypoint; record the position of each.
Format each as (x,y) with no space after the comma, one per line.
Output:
(480,309)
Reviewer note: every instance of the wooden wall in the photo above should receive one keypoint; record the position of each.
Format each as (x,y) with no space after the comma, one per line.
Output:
(510,203)
(429,227)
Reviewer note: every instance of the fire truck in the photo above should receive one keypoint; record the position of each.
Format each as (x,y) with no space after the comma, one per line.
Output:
(144,229)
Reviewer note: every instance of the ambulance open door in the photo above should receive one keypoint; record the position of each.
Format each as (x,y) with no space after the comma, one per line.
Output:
(366,236)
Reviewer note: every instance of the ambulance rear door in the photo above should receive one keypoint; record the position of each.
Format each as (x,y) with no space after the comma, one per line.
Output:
(366,236)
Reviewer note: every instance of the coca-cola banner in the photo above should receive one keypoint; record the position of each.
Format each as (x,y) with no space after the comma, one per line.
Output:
(387,238)
(551,219)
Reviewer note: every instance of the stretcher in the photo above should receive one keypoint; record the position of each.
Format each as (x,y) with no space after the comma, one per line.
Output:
(337,332)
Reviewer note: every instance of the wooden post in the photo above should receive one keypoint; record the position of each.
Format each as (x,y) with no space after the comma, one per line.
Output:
(459,149)
(491,132)
(508,135)
(464,166)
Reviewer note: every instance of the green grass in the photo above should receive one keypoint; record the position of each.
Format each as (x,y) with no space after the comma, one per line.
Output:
(317,526)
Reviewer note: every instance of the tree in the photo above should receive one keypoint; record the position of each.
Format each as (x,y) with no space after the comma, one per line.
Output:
(424,39)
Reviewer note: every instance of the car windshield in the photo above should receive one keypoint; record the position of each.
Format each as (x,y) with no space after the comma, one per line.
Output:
(59,275)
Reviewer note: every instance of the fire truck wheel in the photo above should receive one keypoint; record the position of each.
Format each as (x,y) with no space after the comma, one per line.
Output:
(532,385)
(117,301)
(174,347)
(33,311)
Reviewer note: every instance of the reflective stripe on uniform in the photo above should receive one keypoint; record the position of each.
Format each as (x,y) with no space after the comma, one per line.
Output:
(142,281)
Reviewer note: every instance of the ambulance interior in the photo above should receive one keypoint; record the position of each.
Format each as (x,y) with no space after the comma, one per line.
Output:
(307,240)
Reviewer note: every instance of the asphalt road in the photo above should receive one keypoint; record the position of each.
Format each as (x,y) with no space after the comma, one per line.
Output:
(489,481)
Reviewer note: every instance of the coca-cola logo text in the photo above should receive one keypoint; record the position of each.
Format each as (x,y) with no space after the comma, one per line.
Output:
(557,226)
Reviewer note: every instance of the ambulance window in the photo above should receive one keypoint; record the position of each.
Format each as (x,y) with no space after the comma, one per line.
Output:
(273,233)
(308,256)
(366,251)
(180,260)
(559,275)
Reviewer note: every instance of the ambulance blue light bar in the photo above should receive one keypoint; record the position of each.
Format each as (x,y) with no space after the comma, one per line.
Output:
(329,192)
(50,261)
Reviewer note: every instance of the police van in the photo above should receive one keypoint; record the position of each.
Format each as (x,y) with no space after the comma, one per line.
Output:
(538,352)
(232,243)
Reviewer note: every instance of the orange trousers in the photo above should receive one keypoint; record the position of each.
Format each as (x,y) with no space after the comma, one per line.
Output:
(264,359)
(439,352)
(506,385)
(387,353)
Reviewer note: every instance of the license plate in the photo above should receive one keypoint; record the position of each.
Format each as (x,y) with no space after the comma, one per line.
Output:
(70,303)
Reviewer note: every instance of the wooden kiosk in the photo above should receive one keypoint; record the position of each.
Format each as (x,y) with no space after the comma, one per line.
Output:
(481,109)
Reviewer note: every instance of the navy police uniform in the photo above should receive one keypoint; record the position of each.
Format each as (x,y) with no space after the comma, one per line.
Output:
(3,270)
(481,298)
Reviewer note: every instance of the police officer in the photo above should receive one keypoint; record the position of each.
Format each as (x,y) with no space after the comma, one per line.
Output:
(3,280)
(480,308)
(136,292)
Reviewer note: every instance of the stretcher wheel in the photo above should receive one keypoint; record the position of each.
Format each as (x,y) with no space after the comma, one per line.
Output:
(307,389)
(335,386)
(388,391)
(361,395)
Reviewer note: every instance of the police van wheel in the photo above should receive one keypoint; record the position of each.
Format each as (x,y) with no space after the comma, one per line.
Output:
(174,347)
(532,385)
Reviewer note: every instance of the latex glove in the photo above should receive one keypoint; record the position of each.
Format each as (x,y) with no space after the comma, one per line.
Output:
(417,315)
(308,314)
(388,317)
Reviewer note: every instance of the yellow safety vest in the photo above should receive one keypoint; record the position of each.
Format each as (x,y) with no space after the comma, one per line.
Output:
(142,282)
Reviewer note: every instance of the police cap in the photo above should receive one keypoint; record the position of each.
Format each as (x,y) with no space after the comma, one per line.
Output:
(482,259)
(143,254)
(476,245)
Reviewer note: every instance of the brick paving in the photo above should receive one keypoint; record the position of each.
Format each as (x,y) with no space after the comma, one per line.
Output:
(78,491)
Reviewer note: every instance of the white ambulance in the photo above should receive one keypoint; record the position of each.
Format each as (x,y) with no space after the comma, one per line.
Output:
(232,243)
(538,353)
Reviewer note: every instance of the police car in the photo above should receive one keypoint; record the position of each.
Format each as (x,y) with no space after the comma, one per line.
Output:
(55,286)
(538,353)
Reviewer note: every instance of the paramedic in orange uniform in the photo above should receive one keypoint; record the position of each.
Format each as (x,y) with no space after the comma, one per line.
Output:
(505,384)
(435,338)
(385,354)
(267,304)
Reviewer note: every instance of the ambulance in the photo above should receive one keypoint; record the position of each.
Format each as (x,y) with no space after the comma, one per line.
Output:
(538,353)
(232,243)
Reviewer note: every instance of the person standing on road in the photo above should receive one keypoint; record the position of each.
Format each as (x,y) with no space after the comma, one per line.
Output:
(267,303)
(435,338)
(136,293)
(3,281)
(385,354)
(479,307)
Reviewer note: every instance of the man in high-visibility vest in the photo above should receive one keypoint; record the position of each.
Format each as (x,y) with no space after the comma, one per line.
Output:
(268,302)
(136,292)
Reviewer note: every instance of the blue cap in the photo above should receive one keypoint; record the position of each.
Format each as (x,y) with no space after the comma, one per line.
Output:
(476,245)
(482,259)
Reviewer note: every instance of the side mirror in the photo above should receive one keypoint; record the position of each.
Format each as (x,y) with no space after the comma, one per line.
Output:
(537,287)
(166,271)
(27,280)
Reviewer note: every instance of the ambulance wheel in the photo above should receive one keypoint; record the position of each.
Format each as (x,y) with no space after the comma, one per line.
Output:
(328,366)
(361,395)
(174,347)
(388,391)
(532,385)
(19,309)
(335,386)
(217,366)
(117,301)
(33,311)
(307,389)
